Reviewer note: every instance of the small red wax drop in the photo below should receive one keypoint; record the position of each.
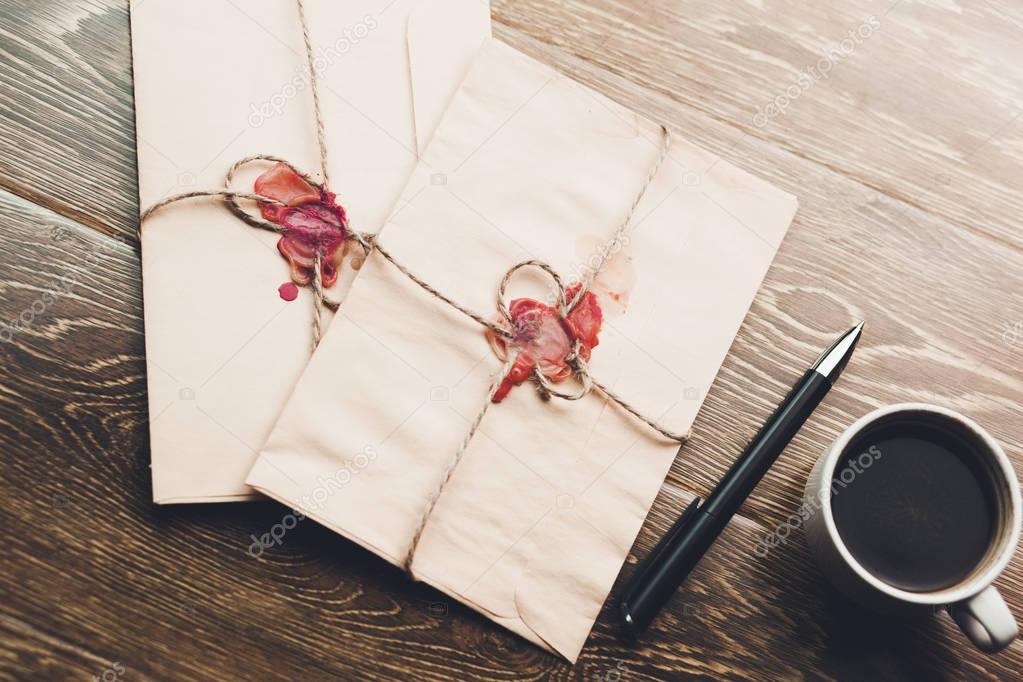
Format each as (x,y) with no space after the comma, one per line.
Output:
(288,291)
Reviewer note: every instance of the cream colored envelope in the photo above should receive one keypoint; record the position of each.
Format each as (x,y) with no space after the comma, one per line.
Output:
(535,522)
(216,81)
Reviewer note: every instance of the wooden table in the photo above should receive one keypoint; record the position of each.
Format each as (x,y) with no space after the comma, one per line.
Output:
(907,157)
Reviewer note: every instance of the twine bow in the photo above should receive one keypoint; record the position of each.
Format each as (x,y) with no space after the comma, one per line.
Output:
(574,359)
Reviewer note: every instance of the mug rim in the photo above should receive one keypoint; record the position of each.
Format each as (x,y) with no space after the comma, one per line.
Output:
(962,590)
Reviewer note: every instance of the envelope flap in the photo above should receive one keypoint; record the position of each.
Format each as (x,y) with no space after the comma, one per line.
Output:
(564,623)
(439,57)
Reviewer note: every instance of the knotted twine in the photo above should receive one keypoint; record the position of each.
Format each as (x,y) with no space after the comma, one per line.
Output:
(370,243)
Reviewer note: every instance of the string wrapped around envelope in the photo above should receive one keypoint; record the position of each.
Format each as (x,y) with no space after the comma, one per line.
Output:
(315,234)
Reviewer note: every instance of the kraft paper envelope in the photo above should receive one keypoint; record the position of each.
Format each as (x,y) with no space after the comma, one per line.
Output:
(536,520)
(216,81)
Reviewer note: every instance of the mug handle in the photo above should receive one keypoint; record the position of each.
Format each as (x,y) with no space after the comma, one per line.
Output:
(985,620)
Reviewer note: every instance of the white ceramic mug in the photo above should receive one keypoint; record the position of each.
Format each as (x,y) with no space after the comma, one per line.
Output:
(974,602)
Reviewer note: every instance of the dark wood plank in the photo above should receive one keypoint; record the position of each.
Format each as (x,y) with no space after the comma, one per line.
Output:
(67,121)
(26,651)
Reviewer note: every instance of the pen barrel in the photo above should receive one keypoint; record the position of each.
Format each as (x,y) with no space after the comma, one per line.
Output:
(653,584)
(697,529)
(767,445)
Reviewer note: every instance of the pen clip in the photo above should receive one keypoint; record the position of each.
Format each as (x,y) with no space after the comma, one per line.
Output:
(665,542)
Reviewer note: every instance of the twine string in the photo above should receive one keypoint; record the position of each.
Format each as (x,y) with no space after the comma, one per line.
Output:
(314,87)
(232,197)
(370,243)
(559,286)
(318,297)
(227,194)
(615,245)
(442,482)
(574,360)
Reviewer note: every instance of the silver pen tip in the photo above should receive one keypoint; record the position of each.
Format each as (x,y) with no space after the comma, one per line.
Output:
(834,359)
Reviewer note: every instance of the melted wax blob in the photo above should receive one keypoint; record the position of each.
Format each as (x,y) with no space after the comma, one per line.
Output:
(544,338)
(288,291)
(313,221)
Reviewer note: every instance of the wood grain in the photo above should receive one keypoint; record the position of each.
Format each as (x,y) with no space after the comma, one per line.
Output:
(926,108)
(27,649)
(67,137)
(93,574)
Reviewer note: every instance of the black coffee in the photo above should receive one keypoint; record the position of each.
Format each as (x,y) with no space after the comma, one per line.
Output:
(914,503)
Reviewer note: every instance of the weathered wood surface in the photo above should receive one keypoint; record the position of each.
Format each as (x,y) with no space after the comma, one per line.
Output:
(906,161)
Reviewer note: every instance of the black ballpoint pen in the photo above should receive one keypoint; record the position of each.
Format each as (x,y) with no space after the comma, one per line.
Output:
(666,567)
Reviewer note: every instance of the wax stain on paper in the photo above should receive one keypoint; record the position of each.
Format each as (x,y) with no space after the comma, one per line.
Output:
(616,278)
(314,224)
(544,339)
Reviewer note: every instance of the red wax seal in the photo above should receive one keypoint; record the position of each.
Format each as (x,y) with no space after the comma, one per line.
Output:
(544,338)
(313,221)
